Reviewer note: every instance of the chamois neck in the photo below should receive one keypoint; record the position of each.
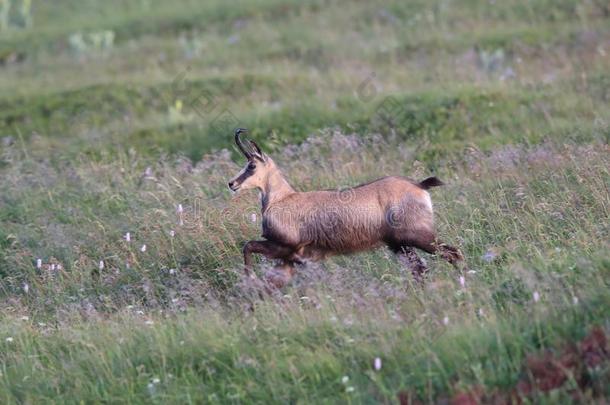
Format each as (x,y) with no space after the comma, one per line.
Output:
(275,188)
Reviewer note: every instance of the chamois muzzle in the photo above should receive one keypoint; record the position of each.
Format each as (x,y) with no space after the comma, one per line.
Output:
(233,185)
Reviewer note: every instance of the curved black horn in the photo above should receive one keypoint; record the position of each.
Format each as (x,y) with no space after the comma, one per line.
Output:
(239,143)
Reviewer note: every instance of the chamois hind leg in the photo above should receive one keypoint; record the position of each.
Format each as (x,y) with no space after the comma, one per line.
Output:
(429,243)
(411,260)
(450,253)
(269,249)
(425,240)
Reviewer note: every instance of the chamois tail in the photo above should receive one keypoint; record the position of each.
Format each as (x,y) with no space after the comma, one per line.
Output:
(430,182)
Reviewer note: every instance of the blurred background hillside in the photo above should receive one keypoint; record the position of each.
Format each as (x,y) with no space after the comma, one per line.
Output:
(169,77)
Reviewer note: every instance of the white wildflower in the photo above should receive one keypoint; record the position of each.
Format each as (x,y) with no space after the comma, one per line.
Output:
(52,267)
(156,380)
(349,389)
(143,248)
(180,210)
(377,364)
(489,256)
(25,318)
(9,339)
(38,263)
(446,320)
(128,237)
(101,265)
(575,300)
(172,233)
(462,281)
(253,218)
(172,271)
(26,288)
(536,296)
(149,322)
(345,379)
(481,313)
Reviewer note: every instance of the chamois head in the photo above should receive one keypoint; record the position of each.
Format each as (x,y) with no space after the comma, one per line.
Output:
(257,169)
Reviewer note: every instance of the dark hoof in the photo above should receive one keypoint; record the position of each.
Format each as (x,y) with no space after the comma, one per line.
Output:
(415,264)
(278,277)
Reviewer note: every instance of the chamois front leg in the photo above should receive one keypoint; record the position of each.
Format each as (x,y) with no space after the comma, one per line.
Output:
(269,249)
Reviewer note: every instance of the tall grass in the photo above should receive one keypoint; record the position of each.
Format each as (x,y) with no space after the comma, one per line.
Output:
(530,222)
(121,276)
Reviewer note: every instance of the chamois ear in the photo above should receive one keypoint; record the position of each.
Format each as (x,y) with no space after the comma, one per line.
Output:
(258,153)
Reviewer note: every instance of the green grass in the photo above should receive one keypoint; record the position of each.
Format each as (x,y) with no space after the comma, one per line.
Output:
(507,102)
(208,358)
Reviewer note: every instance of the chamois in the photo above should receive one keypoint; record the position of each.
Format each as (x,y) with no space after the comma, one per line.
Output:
(309,226)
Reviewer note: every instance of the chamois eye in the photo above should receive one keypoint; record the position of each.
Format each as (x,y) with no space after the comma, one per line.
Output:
(251,166)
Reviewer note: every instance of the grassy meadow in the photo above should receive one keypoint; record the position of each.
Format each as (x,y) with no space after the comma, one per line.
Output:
(121,276)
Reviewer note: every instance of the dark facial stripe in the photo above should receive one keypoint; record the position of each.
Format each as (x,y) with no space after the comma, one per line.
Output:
(249,172)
